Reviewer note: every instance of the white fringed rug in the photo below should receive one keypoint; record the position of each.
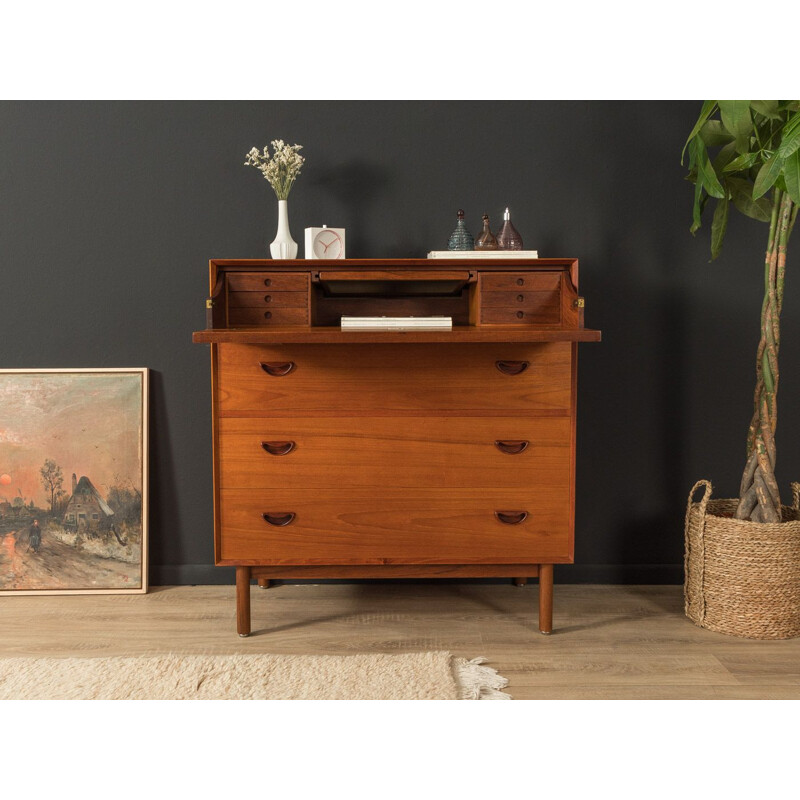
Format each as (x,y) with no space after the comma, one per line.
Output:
(408,676)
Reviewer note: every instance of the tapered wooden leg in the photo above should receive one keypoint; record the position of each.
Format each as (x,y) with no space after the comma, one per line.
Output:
(520,581)
(243,600)
(545,598)
(263,583)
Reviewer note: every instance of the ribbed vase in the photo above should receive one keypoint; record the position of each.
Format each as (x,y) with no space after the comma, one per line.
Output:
(283,246)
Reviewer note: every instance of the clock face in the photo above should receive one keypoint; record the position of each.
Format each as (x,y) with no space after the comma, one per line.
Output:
(328,244)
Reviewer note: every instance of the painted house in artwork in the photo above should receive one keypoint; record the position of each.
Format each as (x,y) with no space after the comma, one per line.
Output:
(86,508)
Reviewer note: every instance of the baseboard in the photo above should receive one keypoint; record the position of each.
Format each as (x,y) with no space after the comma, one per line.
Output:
(191,575)
(207,574)
(655,574)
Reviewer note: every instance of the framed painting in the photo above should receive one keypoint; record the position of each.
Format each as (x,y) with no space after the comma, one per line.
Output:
(73,481)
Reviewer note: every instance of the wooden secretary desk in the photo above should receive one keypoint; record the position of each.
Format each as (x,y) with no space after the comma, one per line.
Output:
(402,454)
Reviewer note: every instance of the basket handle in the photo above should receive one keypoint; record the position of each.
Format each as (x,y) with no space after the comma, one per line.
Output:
(687,545)
(706,495)
(796,496)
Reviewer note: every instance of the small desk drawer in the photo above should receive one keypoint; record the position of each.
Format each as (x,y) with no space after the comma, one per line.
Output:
(400,452)
(274,281)
(267,299)
(391,526)
(520,281)
(267,315)
(265,380)
(545,314)
(519,299)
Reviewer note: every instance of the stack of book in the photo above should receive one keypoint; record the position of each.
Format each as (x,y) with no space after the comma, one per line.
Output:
(397,323)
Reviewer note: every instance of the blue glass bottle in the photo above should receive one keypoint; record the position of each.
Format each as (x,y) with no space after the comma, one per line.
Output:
(461,238)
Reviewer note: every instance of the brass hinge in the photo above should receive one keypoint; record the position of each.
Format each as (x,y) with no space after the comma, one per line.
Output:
(579,302)
(209,303)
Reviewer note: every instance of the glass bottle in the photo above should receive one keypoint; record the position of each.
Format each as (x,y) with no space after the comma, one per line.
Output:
(487,240)
(461,238)
(508,238)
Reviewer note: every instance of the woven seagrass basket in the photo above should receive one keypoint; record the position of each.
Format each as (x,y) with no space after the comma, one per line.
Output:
(742,578)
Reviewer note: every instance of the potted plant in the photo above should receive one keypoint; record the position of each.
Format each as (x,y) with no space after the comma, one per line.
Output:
(743,555)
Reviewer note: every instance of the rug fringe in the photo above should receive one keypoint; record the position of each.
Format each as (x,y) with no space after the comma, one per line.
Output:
(476,682)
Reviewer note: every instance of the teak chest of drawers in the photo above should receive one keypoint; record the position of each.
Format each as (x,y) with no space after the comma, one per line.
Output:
(354,454)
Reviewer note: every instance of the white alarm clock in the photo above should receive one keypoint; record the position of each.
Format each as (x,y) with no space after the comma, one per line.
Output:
(324,242)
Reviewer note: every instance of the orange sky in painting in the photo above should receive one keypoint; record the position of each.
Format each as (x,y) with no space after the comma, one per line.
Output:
(88,423)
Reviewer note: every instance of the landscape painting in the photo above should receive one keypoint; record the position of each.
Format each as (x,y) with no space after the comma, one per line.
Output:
(73,481)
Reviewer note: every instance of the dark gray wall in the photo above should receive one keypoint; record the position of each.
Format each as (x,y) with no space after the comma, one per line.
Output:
(111,210)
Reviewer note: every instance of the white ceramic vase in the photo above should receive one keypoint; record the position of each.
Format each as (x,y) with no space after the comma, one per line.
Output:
(283,246)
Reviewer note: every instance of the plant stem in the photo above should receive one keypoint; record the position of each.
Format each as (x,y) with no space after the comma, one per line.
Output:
(759,497)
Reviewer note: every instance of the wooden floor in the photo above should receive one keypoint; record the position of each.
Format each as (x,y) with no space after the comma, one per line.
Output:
(609,642)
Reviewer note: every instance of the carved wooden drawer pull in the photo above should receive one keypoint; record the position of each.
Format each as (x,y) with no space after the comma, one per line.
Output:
(280,519)
(278,448)
(278,369)
(511,517)
(512,448)
(511,367)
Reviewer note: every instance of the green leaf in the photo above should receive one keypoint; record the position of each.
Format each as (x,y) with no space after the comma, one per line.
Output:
(705,112)
(713,133)
(791,174)
(767,108)
(767,176)
(743,143)
(718,226)
(742,195)
(697,210)
(790,140)
(706,172)
(744,161)
(736,116)
(692,155)
(724,157)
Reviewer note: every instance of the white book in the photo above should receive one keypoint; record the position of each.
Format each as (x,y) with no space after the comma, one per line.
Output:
(397,323)
(483,254)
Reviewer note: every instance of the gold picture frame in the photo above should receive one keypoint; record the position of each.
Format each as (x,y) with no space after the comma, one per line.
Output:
(74,481)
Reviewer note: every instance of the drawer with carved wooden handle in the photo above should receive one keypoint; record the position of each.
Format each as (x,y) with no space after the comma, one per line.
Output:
(434,452)
(393,526)
(259,380)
